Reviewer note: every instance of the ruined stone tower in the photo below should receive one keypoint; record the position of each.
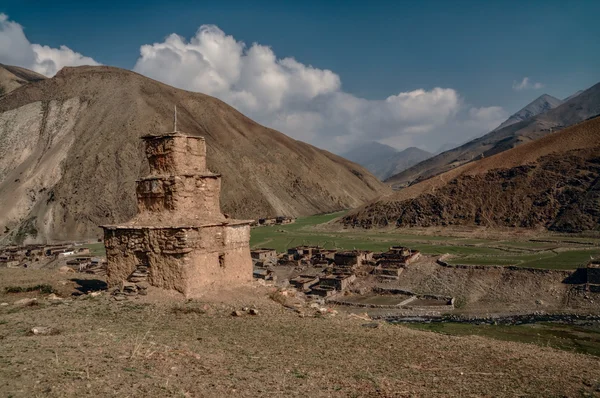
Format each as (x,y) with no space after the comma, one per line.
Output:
(179,239)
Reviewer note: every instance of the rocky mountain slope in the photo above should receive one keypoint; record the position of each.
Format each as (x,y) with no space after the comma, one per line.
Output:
(575,110)
(385,161)
(70,154)
(13,77)
(541,104)
(552,183)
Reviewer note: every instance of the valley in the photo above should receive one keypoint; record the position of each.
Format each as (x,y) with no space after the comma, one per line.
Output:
(473,246)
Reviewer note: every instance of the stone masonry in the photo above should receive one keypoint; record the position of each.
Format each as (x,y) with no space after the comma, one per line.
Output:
(179,239)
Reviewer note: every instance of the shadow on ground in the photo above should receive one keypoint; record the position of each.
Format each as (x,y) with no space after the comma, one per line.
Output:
(89,285)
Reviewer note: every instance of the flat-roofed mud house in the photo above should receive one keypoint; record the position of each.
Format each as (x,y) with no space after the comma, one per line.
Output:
(179,239)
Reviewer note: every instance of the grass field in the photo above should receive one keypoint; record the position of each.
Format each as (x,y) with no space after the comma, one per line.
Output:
(96,249)
(556,254)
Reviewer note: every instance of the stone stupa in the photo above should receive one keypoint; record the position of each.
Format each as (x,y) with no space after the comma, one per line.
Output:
(179,239)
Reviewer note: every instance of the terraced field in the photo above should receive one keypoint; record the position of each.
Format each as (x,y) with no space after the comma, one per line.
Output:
(551,251)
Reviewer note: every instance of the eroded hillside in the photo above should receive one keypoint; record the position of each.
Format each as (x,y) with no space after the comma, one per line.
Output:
(553,183)
(574,110)
(70,154)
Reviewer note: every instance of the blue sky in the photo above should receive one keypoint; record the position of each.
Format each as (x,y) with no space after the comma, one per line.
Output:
(377,49)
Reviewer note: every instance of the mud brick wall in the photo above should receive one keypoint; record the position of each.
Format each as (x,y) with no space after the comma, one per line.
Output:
(347,259)
(189,260)
(192,196)
(176,155)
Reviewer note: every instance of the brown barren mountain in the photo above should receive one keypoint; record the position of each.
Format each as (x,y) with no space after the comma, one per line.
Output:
(553,183)
(70,152)
(13,77)
(573,111)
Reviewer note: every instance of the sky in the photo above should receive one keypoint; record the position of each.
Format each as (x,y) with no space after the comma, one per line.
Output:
(335,74)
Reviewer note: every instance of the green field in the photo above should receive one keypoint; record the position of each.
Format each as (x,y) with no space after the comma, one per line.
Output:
(96,249)
(581,339)
(474,251)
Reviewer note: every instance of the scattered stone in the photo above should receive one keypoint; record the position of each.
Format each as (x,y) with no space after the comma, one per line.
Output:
(4,304)
(142,285)
(253,311)
(143,292)
(54,297)
(539,302)
(128,287)
(237,313)
(245,309)
(315,305)
(95,294)
(43,331)
(120,297)
(26,301)
(64,269)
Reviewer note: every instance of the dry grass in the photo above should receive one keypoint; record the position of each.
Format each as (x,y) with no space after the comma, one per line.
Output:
(145,347)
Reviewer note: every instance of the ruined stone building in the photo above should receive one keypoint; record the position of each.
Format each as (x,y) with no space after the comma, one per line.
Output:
(179,239)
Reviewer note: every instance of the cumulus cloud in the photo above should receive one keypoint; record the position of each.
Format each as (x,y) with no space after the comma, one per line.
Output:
(301,100)
(15,49)
(526,84)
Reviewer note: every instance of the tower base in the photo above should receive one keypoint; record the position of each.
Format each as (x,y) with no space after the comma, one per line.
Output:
(189,259)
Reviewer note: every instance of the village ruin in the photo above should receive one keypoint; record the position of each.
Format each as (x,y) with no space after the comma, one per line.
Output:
(179,239)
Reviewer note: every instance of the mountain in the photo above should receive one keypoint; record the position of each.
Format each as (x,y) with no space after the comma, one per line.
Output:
(538,106)
(573,95)
(370,154)
(576,110)
(400,161)
(70,152)
(552,183)
(383,160)
(13,77)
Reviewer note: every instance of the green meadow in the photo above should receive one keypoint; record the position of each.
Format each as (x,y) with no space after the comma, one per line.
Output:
(553,253)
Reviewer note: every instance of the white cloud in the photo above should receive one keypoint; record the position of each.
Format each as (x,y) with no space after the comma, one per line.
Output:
(526,84)
(15,49)
(300,100)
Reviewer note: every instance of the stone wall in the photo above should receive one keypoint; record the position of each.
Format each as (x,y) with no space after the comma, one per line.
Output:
(189,260)
(193,196)
(176,154)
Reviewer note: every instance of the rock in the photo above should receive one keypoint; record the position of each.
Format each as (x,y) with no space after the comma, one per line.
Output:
(95,294)
(237,313)
(143,292)
(315,305)
(4,304)
(128,287)
(142,285)
(120,297)
(54,297)
(253,311)
(43,331)
(539,302)
(245,309)
(64,269)
(26,301)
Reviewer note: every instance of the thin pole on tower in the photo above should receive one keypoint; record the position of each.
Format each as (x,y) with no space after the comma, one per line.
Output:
(175,120)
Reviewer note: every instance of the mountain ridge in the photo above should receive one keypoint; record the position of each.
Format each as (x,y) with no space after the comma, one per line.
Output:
(577,109)
(552,183)
(70,154)
(383,160)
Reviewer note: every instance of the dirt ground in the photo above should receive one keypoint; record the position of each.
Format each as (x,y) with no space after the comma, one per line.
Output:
(163,345)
